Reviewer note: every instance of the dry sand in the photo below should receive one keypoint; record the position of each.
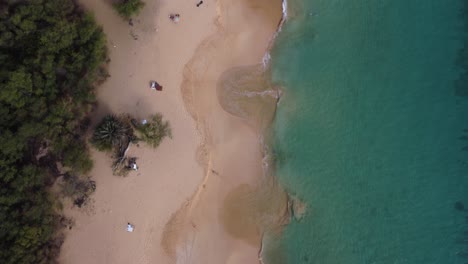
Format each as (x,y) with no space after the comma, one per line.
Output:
(189,204)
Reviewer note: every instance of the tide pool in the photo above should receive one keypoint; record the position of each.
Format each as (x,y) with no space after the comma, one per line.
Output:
(372,131)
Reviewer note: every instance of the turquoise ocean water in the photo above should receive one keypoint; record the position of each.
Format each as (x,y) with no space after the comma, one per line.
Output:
(372,131)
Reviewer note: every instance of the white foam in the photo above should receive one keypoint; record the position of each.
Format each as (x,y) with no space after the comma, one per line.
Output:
(285,9)
(266,156)
(272,93)
(266,58)
(276,93)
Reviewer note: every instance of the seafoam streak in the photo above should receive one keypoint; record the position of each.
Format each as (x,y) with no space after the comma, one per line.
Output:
(266,58)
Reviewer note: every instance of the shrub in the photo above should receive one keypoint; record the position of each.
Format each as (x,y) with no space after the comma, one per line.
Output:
(77,158)
(128,8)
(154,131)
(111,132)
(114,134)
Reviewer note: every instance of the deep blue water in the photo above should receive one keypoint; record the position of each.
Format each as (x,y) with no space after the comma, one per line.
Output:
(372,131)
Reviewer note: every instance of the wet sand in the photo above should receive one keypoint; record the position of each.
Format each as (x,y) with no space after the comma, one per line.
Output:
(190,200)
(236,196)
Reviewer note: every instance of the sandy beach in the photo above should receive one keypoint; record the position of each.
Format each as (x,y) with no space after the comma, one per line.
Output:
(191,200)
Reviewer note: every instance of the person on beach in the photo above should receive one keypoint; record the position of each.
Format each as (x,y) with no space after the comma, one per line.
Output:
(155,86)
(199,3)
(174,17)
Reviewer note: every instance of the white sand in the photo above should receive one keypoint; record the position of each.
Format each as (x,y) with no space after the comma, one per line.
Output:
(227,33)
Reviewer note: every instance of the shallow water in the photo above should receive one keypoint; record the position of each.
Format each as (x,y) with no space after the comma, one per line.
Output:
(372,131)
(246,92)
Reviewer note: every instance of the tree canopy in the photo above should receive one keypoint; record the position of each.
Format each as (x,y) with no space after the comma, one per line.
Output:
(154,130)
(50,55)
(128,8)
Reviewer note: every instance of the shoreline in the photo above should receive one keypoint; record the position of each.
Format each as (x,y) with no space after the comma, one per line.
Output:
(208,110)
(284,11)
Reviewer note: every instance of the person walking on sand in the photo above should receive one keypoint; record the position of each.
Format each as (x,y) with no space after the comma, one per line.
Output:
(199,3)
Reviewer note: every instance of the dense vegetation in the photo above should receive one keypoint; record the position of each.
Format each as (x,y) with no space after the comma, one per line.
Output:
(115,133)
(50,57)
(128,8)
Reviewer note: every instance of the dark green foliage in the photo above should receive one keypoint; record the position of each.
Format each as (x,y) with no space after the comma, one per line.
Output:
(128,8)
(50,56)
(154,131)
(27,218)
(111,132)
(76,157)
(114,134)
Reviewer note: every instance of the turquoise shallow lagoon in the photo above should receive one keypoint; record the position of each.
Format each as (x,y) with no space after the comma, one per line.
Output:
(372,131)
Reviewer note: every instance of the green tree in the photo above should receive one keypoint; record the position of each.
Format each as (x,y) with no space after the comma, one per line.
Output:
(128,8)
(50,55)
(114,134)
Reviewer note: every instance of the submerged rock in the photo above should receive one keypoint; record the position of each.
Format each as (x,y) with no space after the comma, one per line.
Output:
(459,206)
(299,208)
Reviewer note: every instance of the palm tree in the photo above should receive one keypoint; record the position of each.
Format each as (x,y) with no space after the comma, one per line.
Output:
(111,132)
